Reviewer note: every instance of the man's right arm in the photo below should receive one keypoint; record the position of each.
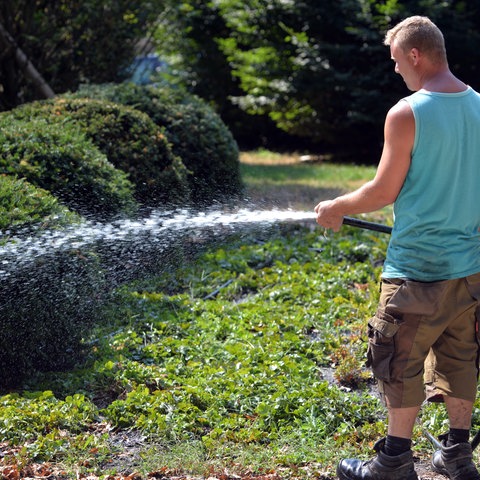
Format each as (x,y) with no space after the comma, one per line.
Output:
(392,170)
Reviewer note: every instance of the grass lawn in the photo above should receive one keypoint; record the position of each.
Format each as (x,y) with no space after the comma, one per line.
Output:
(284,181)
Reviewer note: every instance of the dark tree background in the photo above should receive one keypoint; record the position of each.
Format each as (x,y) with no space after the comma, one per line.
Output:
(297,74)
(70,41)
(318,70)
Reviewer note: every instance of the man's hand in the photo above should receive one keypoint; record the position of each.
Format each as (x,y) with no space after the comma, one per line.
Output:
(327,216)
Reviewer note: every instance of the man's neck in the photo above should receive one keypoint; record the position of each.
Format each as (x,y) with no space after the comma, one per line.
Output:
(443,81)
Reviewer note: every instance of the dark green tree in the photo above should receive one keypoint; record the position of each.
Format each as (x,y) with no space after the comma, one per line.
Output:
(318,70)
(187,35)
(70,41)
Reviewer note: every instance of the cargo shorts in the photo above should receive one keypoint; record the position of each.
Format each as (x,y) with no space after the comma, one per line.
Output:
(423,341)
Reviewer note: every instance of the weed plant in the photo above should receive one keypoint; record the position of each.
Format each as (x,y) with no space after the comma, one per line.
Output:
(248,360)
(230,374)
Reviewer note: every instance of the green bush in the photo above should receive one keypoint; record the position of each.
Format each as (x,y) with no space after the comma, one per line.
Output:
(48,303)
(129,139)
(24,207)
(49,297)
(58,158)
(197,134)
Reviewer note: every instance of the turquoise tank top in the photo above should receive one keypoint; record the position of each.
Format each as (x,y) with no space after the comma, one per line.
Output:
(436,232)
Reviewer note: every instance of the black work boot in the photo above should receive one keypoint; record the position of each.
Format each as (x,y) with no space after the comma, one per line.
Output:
(456,462)
(382,467)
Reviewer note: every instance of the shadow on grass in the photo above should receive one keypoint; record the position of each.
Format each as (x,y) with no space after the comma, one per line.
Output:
(291,195)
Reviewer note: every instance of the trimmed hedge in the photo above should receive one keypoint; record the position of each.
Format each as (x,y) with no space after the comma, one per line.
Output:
(81,151)
(24,207)
(48,304)
(49,298)
(49,301)
(58,158)
(130,140)
(197,134)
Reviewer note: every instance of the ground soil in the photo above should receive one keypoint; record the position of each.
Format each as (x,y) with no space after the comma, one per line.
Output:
(424,471)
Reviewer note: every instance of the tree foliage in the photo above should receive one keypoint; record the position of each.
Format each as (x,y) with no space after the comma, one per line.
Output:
(196,60)
(317,69)
(71,41)
(312,70)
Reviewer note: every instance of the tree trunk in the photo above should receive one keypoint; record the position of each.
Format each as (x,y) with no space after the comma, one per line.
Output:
(26,65)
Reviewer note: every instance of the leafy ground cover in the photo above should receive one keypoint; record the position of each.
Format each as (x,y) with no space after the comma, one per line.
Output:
(245,362)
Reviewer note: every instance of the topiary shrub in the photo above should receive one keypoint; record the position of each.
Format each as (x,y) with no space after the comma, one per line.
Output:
(196,132)
(48,304)
(131,141)
(50,294)
(58,158)
(24,207)
(48,301)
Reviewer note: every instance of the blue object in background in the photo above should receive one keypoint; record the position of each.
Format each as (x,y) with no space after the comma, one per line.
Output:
(143,68)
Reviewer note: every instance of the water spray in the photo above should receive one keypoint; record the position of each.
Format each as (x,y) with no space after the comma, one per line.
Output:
(158,231)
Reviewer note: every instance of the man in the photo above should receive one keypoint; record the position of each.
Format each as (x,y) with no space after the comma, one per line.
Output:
(430,289)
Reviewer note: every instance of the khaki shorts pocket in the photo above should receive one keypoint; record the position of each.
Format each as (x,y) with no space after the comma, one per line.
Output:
(381,346)
(473,285)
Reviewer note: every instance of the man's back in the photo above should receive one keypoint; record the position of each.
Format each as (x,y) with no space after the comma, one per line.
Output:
(437,215)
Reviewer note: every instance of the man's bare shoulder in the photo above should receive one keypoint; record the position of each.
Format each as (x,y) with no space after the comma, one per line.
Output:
(400,116)
(401,109)
(400,130)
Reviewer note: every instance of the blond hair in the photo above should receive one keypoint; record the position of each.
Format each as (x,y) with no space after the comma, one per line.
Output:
(421,33)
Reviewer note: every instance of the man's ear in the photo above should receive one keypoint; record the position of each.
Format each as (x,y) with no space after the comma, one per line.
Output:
(415,55)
